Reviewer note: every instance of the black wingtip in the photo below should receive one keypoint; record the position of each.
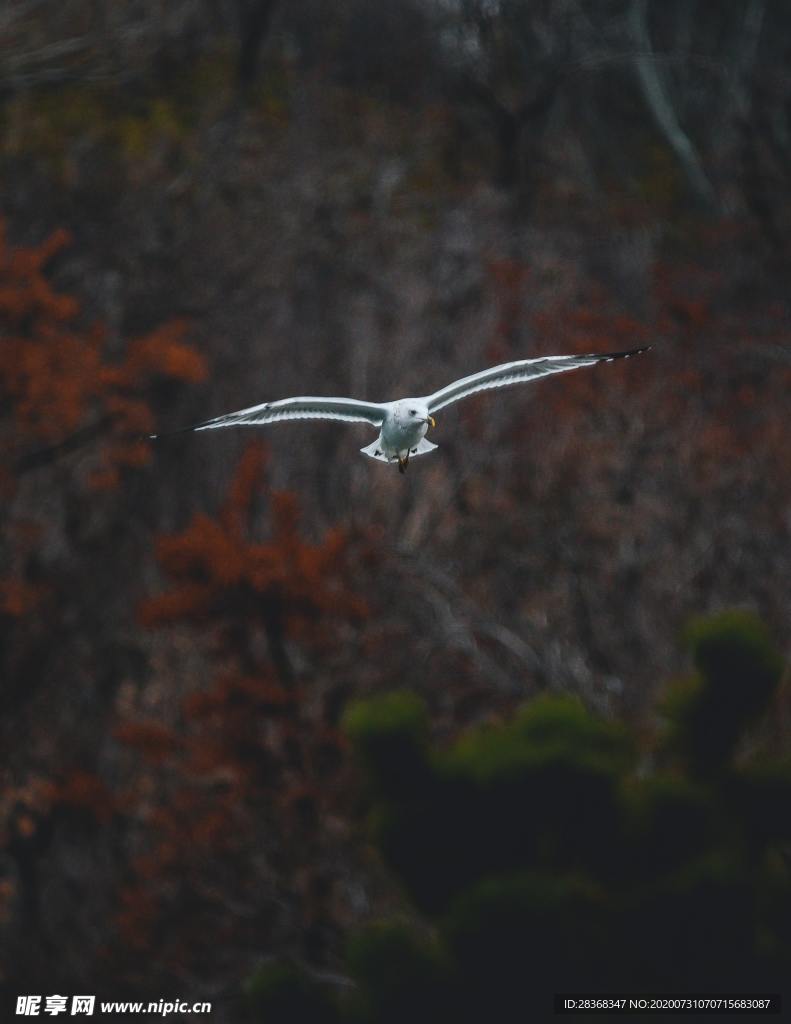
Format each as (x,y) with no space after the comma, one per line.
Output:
(609,356)
(173,433)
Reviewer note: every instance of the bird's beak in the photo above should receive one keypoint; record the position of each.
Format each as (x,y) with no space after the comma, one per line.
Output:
(432,422)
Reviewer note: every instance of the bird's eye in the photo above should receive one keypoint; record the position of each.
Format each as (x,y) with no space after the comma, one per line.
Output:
(413,412)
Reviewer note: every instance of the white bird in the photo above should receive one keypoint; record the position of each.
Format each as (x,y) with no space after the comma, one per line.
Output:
(403,424)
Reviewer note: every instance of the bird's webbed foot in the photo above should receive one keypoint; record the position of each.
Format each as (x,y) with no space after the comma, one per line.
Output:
(403,463)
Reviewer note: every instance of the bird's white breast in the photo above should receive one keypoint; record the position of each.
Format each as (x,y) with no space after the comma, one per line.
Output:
(400,432)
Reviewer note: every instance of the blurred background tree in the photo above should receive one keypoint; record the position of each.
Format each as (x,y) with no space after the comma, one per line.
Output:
(208,203)
(557,845)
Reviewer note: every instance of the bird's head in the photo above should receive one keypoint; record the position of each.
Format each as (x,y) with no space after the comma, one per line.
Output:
(414,410)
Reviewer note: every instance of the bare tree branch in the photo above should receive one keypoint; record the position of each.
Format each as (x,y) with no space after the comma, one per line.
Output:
(52,453)
(255,18)
(661,108)
(463,619)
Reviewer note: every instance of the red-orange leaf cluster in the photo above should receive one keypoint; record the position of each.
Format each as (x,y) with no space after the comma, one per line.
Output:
(58,387)
(54,373)
(254,759)
(214,564)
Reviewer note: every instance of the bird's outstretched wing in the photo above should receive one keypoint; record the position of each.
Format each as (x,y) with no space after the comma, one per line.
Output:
(303,408)
(516,373)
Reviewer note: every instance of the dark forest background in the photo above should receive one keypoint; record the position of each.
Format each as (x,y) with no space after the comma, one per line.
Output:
(285,730)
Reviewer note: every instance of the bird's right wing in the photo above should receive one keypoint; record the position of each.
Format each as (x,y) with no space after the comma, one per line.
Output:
(349,410)
(518,372)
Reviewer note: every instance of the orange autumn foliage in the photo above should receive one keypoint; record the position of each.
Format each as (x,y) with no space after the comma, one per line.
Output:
(59,388)
(54,373)
(254,759)
(215,566)
(153,739)
(83,793)
(17,596)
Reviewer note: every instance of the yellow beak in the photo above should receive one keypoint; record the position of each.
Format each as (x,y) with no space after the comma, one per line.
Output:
(432,421)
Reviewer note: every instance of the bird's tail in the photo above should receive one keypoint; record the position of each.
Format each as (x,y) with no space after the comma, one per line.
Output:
(423,447)
(376,451)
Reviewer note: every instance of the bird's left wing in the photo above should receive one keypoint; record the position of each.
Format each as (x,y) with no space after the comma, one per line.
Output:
(516,373)
(304,408)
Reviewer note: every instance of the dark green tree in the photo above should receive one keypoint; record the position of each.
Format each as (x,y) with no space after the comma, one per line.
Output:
(561,852)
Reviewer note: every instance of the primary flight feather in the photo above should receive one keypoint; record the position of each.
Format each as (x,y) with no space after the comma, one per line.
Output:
(403,424)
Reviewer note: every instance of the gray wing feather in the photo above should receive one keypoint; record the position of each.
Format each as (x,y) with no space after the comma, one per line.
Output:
(517,373)
(349,410)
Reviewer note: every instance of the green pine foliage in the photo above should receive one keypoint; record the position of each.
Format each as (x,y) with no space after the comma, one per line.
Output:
(390,735)
(283,994)
(560,852)
(737,672)
(402,975)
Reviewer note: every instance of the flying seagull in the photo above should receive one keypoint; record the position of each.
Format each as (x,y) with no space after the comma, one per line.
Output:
(403,424)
